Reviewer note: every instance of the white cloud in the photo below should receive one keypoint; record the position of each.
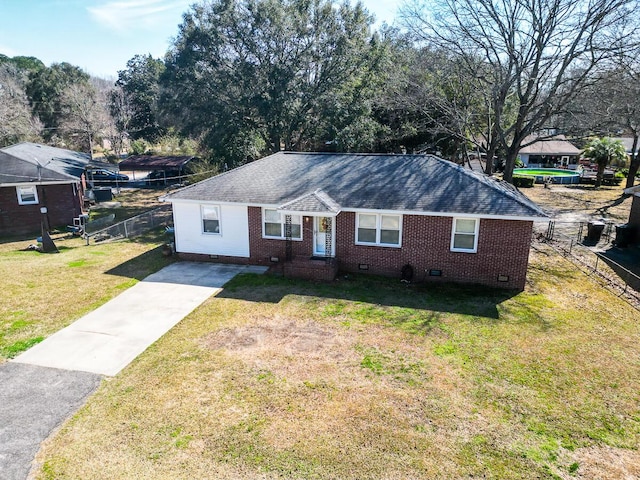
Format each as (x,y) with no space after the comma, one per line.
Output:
(8,51)
(130,14)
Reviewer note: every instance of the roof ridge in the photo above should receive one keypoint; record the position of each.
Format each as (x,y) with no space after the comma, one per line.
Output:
(494,184)
(320,195)
(327,199)
(358,154)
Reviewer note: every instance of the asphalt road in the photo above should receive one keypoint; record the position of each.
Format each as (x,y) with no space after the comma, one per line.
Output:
(45,385)
(33,402)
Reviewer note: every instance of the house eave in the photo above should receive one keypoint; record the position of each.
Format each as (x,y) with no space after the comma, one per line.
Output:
(528,218)
(58,182)
(635,190)
(310,214)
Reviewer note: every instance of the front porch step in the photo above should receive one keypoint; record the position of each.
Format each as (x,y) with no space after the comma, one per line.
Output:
(311,268)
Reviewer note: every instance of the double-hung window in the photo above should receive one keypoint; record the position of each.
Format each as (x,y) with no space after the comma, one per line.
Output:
(378,229)
(27,195)
(211,219)
(273,223)
(464,235)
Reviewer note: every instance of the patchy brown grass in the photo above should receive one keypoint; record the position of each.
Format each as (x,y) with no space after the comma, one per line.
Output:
(582,202)
(366,378)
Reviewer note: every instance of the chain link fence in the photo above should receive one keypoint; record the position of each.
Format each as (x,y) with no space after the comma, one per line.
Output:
(572,241)
(132,227)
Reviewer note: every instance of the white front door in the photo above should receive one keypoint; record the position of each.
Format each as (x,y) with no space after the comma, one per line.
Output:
(323,236)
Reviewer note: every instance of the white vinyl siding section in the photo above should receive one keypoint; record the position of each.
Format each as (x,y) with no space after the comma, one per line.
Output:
(233,224)
(27,195)
(464,235)
(378,229)
(273,225)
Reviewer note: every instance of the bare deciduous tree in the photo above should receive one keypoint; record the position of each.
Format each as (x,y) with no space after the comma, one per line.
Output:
(538,54)
(16,121)
(84,114)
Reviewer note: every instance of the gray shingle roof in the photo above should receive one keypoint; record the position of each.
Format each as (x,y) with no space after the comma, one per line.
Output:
(28,162)
(558,145)
(315,202)
(416,183)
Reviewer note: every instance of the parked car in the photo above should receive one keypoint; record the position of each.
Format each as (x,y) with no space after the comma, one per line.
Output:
(106,177)
(164,177)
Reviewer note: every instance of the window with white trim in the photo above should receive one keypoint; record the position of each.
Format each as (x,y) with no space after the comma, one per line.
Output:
(273,224)
(27,195)
(378,229)
(464,235)
(211,219)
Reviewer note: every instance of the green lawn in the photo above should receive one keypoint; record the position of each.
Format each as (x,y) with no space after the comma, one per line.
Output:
(42,293)
(367,378)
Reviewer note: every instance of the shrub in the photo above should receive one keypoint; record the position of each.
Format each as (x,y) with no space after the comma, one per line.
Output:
(521,181)
(139,147)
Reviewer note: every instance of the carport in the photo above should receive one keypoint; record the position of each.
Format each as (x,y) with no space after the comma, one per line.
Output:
(164,169)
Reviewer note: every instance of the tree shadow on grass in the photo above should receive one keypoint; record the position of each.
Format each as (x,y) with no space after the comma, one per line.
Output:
(143,265)
(471,300)
(604,210)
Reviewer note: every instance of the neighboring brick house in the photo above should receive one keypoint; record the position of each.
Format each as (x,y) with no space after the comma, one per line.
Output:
(312,214)
(39,184)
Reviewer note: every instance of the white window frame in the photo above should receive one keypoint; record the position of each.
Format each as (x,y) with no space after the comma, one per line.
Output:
(379,229)
(202,219)
(475,235)
(33,189)
(281,222)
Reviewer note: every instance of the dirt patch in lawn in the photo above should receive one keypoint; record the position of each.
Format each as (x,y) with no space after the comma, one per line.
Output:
(601,462)
(283,335)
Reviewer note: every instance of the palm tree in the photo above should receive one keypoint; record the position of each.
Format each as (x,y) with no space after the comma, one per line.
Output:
(603,151)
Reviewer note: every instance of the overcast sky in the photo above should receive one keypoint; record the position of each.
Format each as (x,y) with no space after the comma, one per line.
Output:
(100,36)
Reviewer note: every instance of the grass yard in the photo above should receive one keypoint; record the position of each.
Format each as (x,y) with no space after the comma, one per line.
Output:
(568,200)
(42,293)
(134,201)
(367,378)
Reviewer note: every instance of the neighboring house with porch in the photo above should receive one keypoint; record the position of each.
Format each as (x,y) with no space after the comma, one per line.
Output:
(39,184)
(547,152)
(312,214)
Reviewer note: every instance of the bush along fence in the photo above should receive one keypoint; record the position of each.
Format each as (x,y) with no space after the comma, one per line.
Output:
(131,227)
(579,249)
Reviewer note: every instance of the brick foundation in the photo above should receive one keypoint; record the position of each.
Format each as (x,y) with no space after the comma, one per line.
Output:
(503,250)
(311,269)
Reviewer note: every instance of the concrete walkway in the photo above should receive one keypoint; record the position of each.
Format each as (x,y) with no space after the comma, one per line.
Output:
(109,338)
(45,385)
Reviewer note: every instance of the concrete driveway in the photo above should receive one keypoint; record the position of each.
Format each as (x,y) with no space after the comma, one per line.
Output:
(109,338)
(45,385)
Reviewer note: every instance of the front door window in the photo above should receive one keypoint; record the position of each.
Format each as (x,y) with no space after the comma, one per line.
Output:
(323,236)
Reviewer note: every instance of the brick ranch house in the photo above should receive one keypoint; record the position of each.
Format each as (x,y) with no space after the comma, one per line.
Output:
(312,214)
(39,184)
